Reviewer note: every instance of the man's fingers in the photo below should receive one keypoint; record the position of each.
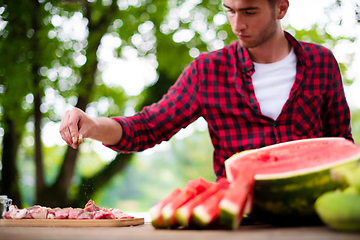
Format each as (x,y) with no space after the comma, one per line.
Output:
(64,130)
(73,125)
(69,128)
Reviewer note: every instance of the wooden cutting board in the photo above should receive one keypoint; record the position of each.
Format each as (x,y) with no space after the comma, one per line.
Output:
(71,222)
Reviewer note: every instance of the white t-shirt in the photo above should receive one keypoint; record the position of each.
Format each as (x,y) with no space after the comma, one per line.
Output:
(272,84)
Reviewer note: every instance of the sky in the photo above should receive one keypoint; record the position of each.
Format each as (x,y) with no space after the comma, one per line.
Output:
(301,15)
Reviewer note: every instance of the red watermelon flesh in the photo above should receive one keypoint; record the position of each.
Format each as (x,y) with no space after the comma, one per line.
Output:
(296,157)
(199,185)
(193,188)
(155,212)
(184,213)
(207,212)
(249,203)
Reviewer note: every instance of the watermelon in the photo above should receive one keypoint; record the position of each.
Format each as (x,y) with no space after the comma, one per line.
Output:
(233,203)
(184,213)
(193,188)
(155,212)
(206,213)
(289,177)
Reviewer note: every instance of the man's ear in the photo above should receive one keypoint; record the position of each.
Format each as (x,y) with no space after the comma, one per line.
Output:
(281,8)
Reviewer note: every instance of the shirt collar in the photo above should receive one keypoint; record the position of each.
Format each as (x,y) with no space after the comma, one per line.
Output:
(299,50)
(246,63)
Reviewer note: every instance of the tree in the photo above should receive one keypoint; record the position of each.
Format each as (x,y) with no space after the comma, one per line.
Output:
(20,81)
(42,58)
(37,52)
(47,53)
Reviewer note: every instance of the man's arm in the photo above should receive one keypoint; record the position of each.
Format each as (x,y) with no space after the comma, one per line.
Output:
(75,123)
(158,122)
(337,118)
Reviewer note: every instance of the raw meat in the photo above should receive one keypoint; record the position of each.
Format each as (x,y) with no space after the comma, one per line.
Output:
(91,211)
(75,212)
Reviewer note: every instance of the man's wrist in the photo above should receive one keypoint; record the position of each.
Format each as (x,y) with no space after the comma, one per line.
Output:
(108,131)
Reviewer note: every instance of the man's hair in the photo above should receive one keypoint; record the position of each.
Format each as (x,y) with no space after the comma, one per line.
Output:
(272,3)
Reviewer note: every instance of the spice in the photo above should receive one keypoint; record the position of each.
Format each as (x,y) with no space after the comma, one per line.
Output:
(79,140)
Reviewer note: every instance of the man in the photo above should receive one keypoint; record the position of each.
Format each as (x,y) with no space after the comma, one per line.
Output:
(263,89)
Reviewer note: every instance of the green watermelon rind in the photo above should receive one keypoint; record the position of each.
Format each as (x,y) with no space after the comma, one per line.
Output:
(182,216)
(157,220)
(200,218)
(293,196)
(156,211)
(228,214)
(167,213)
(226,219)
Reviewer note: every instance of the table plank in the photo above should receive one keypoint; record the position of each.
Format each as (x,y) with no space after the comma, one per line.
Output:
(71,222)
(146,231)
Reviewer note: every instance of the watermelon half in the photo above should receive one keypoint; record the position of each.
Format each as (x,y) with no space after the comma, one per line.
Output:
(290,176)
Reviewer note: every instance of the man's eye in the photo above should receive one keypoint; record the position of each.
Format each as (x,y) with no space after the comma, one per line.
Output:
(230,11)
(250,13)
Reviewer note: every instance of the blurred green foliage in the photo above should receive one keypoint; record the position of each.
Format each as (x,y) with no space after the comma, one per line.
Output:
(36,56)
(153,175)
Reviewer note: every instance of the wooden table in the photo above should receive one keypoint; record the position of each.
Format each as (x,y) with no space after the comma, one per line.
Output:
(146,231)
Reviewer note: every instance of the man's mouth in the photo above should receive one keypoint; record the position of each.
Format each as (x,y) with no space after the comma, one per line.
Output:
(242,36)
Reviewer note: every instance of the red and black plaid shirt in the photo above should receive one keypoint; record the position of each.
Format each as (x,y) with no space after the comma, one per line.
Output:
(218,86)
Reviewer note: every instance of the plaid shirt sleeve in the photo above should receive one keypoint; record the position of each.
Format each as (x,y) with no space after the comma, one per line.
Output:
(160,121)
(336,117)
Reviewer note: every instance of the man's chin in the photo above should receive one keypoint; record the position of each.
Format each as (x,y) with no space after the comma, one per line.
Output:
(245,44)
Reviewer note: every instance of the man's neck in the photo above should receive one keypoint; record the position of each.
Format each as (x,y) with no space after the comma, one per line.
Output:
(273,50)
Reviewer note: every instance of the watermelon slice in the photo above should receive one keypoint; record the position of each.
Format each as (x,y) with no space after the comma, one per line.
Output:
(193,188)
(155,212)
(291,176)
(184,213)
(233,204)
(206,213)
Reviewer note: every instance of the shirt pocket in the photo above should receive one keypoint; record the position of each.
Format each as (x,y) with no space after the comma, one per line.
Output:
(307,116)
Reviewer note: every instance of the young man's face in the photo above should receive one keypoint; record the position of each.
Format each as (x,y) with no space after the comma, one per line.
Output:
(252,21)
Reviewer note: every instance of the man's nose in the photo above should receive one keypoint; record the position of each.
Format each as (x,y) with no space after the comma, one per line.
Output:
(238,23)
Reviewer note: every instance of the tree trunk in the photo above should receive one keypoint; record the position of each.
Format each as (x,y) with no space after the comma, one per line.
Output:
(40,184)
(38,93)
(9,173)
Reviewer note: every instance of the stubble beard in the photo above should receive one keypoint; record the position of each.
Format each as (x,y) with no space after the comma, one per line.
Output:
(267,33)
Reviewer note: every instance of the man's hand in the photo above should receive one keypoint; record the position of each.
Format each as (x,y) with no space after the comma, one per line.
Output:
(77,125)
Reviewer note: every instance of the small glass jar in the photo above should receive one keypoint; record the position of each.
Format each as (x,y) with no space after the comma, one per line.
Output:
(5,202)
